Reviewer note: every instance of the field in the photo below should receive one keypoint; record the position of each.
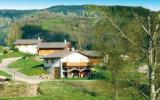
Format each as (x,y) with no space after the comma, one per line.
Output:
(12,54)
(29,66)
(12,89)
(80,90)
(4,74)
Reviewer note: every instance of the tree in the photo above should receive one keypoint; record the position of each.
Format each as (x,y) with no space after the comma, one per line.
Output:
(147,42)
(109,45)
(14,34)
(115,65)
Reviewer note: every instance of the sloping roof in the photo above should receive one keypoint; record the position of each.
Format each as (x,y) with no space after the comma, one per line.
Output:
(64,53)
(59,54)
(92,53)
(53,45)
(27,42)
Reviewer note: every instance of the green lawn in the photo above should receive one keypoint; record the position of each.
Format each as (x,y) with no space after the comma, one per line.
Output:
(4,74)
(80,90)
(12,54)
(29,66)
(2,49)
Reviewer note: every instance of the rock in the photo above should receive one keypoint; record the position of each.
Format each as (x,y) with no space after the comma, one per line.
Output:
(143,69)
(3,79)
(47,76)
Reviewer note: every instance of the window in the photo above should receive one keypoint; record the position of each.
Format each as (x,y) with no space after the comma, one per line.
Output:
(46,60)
(52,60)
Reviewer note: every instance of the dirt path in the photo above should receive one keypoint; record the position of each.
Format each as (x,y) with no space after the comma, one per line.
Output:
(15,74)
(31,90)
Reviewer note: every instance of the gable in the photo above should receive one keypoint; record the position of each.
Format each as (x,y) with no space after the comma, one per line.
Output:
(75,57)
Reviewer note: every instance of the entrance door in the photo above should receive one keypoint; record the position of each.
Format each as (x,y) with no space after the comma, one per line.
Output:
(56,72)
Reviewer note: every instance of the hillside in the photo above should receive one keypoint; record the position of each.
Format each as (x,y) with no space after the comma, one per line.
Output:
(80,10)
(74,23)
(15,14)
(77,10)
(57,27)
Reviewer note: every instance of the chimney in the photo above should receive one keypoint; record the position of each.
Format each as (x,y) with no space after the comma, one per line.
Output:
(65,41)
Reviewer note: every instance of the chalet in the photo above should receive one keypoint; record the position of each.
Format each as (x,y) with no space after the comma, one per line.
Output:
(27,45)
(95,57)
(67,64)
(46,48)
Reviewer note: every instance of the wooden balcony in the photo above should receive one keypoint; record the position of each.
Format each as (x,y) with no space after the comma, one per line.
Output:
(78,64)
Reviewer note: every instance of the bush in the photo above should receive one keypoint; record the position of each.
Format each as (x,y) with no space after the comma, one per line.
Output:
(5,51)
(15,49)
(98,75)
(26,56)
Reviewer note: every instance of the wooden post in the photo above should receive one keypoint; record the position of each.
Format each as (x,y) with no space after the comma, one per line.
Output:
(14,76)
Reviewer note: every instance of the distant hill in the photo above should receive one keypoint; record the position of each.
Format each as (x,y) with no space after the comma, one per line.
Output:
(15,13)
(79,10)
(74,9)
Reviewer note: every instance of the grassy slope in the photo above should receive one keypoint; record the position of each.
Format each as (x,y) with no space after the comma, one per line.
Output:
(81,90)
(130,71)
(53,27)
(4,74)
(65,24)
(11,89)
(90,90)
(29,66)
(12,54)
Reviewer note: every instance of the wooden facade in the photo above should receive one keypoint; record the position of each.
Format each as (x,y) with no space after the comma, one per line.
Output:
(75,72)
(56,72)
(44,51)
(78,64)
(94,61)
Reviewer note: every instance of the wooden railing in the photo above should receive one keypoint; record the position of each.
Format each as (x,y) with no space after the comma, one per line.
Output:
(78,64)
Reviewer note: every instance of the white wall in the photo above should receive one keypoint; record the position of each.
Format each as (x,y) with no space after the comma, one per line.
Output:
(75,58)
(32,49)
(49,63)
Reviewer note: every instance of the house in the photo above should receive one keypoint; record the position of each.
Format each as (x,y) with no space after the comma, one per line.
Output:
(95,57)
(67,64)
(47,48)
(27,45)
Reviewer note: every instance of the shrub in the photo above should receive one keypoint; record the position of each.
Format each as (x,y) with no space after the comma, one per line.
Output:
(5,51)
(26,56)
(14,49)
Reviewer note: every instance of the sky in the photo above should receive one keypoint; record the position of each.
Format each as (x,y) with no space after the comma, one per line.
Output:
(41,4)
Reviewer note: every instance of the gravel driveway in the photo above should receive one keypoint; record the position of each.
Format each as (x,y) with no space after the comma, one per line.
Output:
(15,74)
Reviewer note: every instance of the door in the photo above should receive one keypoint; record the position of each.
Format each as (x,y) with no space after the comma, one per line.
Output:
(56,72)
